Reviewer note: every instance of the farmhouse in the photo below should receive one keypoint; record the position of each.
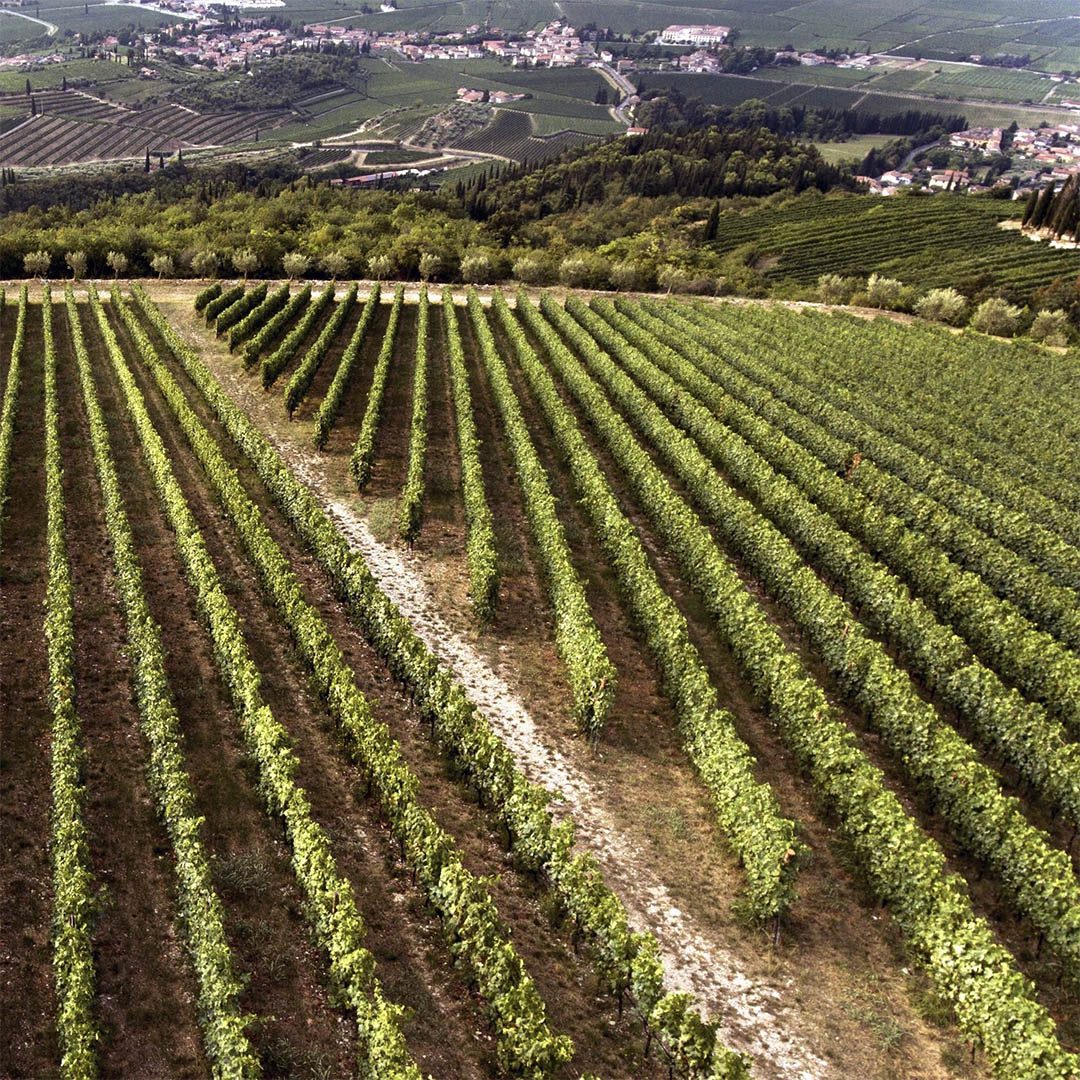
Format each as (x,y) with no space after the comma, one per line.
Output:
(949,179)
(986,139)
(679,34)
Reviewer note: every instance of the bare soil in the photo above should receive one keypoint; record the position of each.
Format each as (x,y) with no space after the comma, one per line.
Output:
(136,941)
(27,1036)
(605,1045)
(835,990)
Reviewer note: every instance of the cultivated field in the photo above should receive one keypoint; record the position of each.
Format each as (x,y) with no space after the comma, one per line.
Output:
(510,135)
(533,686)
(900,237)
(63,127)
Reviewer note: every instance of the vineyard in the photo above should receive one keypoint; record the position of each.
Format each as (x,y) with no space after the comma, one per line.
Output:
(62,127)
(417,683)
(510,135)
(898,237)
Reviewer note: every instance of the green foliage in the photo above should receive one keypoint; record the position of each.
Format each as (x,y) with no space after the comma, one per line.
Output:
(268,329)
(480,553)
(901,489)
(748,813)
(211,292)
(478,940)
(257,316)
(577,638)
(362,458)
(627,963)
(237,310)
(410,513)
(297,386)
(228,1049)
(1038,878)
(330,406)
(73,883)
(273,365)
(222,301)
(884,292)
(330,903)
(11,403)
(834,289)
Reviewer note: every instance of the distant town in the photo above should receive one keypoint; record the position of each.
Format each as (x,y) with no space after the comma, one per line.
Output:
(974,161)
(1020,158)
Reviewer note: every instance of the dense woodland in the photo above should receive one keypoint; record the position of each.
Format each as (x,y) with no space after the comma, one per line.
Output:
(709,162)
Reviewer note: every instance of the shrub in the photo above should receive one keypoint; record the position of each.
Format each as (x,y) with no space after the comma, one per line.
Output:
(942,305)
(295,264)
(37,263)
(996,316)
(884,292)
(1051,328)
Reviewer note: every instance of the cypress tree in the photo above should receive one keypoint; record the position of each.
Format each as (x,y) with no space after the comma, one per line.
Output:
(1042,207)
(1029,208)
(712,223)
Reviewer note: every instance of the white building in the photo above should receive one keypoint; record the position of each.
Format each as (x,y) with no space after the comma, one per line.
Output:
(702,36)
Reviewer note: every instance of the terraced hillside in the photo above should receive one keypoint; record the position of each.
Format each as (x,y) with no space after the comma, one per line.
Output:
(62,127)
(929,241)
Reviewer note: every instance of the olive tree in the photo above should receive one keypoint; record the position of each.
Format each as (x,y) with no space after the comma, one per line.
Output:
(478,268)
(245,262)
(1051,327)
(335,264)
(942,305)
(430,267)
(884,292)
(585,271)
(37,263)
(381,267)
(205,263)
(531,270)
(834,289)
(76,263)
(163,265)
(117,262)
(996,316)
(295,264)
(631,275)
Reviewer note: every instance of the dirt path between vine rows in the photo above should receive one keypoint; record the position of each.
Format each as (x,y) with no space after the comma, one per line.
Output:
(755,1018)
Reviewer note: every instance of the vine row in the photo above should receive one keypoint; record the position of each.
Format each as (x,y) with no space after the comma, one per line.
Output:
(627,962)
(330,901)
(228,1048)
(363,455)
